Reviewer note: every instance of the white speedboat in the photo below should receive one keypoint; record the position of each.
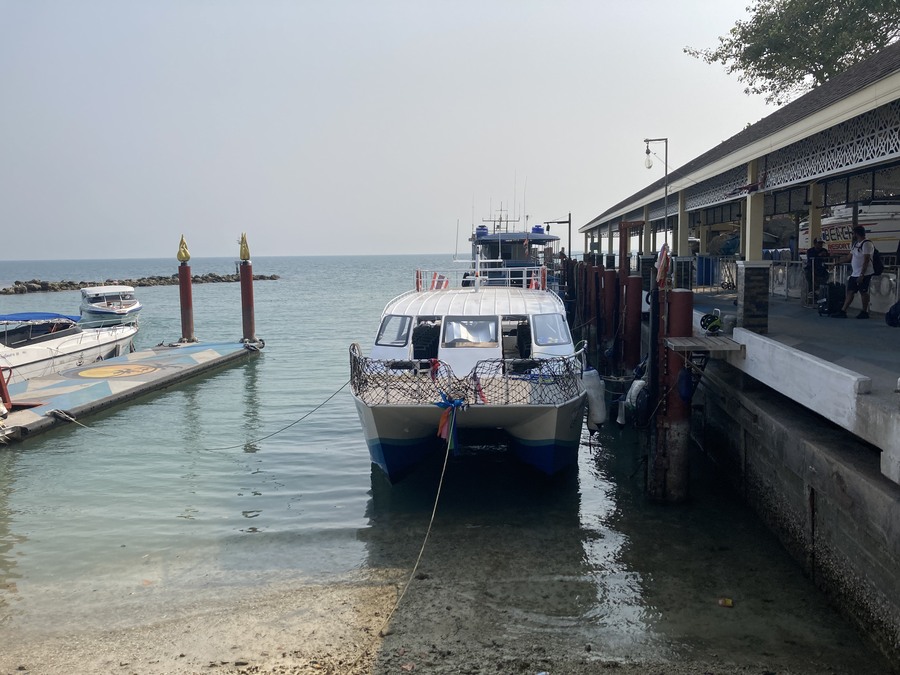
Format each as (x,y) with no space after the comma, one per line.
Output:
(473,356)
(108,305)
(33,344)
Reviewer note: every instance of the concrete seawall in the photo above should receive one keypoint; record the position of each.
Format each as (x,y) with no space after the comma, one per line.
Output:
(819,489)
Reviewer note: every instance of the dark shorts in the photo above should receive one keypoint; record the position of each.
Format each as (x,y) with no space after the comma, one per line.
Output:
(857,285)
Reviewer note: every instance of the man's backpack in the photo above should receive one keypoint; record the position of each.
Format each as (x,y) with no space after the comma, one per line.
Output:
(877,262)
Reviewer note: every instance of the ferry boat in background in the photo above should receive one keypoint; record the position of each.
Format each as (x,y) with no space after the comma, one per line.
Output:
(33,344)
(109,306)
(477,355)
(881,220)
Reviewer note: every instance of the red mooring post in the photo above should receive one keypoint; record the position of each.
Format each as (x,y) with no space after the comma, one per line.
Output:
(4,391)
(187,303)
(669,465)
(631,340)
(247,313)
(247,292)
(609,304)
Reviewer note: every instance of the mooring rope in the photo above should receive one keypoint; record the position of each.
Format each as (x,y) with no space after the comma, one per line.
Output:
(284,428)
(67,417)
(381,631)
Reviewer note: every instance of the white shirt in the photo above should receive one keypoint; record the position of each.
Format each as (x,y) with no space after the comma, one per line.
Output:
(858,252)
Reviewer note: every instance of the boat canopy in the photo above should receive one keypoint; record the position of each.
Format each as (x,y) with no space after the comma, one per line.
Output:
(22,317)
(106,290)
(486,301)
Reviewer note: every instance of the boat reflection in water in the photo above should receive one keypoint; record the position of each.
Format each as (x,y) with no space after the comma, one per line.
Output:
(585,559)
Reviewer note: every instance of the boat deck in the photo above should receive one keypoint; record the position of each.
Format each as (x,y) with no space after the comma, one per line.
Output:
(45,402)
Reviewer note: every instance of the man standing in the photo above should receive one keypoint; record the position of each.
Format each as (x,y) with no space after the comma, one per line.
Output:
(816,272)
(861,272)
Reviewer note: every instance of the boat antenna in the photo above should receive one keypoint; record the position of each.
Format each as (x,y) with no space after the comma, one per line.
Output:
(524,192)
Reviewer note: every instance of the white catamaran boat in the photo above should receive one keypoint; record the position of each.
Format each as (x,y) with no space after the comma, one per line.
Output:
(109,305)
(33,344)
(483,352)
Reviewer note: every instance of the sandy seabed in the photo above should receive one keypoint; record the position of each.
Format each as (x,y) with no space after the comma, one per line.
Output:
(340,628)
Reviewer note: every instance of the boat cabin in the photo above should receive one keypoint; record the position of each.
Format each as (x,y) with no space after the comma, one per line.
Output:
(461,339)
(109,296)
(19,330)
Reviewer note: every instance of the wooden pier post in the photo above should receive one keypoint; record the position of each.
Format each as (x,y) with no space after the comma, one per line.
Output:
(608,304)
(667,478)
(185,293)
(247,311)
(631,342)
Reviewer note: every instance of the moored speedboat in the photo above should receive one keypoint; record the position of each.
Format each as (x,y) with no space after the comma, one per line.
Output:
(33,344)
(881,220)
(482,352)
(109,305)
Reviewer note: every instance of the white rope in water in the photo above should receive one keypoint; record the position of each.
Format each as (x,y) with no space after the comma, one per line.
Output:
(412,574)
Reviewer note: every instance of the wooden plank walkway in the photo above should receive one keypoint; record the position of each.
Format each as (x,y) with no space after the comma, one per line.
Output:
(703,343)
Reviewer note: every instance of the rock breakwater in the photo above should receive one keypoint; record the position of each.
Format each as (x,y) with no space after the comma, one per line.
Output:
(39,286)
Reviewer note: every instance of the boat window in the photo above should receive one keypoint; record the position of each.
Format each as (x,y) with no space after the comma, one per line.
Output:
(550,329)
(394,331)
(468,332)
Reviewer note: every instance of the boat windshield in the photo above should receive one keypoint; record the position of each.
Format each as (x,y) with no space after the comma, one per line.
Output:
(469,332)
(550,329)
(394,331)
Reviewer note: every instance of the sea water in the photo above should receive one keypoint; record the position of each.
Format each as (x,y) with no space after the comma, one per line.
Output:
(258,475)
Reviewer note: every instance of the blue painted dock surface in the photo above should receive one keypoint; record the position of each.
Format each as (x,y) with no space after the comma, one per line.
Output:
(45,402)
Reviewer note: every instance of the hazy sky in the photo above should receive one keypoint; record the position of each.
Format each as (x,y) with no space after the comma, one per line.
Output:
(338,126)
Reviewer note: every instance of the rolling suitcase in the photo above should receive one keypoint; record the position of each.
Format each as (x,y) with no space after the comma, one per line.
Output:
(833,299)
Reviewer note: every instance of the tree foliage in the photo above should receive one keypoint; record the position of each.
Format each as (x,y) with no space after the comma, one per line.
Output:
(787,47)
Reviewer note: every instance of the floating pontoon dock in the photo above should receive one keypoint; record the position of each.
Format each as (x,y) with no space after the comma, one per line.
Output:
(42,403)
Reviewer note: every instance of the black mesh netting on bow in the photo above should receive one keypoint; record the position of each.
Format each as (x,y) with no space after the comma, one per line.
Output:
(550,381)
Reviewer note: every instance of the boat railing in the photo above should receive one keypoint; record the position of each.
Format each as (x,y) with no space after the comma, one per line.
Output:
(550,381)
(487,274)
(108,322)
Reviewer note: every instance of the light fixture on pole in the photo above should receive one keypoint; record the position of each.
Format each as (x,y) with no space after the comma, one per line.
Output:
(653,357)
(648,162)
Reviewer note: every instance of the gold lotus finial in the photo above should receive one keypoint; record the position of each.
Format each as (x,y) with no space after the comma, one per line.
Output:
(183,254)
(245,249)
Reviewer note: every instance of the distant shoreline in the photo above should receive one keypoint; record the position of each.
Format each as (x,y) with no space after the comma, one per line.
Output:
(39,286)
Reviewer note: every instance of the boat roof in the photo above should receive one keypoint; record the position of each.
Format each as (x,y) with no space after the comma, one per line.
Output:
(100,290)
(484,301)
(21,317)
(502,237)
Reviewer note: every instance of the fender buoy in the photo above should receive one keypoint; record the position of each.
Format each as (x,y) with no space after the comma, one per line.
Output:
(543,278)
(631,398)
(418,280)
(596,396)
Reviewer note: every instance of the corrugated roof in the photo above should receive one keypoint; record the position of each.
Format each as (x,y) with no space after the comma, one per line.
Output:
(857,77)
